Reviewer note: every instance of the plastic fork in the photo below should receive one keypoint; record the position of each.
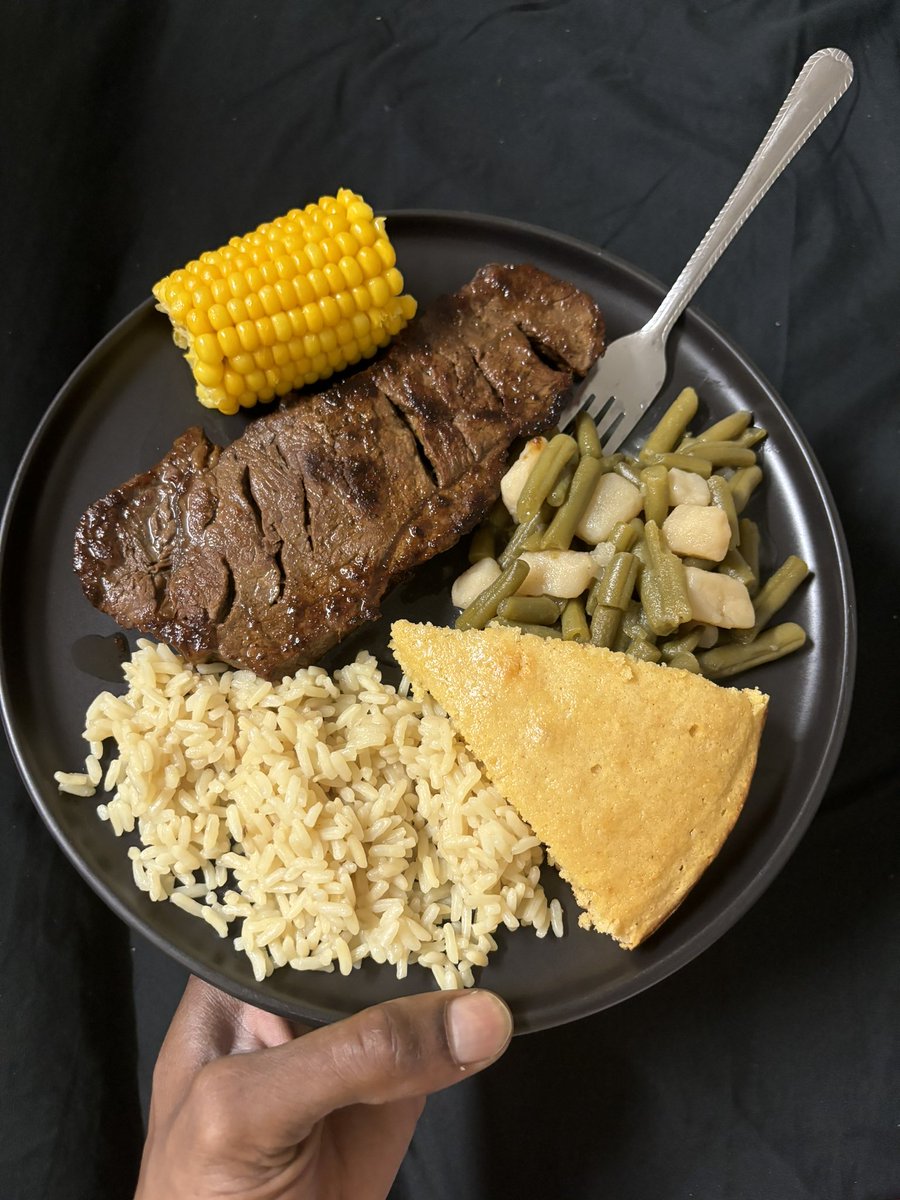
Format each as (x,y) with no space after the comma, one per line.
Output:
(627,379)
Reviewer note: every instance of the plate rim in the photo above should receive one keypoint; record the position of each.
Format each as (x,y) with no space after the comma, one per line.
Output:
(723,919)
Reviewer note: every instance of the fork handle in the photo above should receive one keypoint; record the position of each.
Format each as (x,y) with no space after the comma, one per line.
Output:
(824,79)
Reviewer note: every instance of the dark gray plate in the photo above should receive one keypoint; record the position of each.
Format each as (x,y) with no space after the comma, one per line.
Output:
(119,413)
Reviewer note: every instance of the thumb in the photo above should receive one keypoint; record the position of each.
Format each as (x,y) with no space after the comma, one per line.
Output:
(404,1048)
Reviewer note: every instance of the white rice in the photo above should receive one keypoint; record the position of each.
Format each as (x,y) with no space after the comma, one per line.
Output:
(334,818)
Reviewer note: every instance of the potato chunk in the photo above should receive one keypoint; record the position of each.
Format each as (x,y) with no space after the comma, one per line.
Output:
(516,477)
(719,600)
(687,487)
(563,573)
(696,532)
(473,582)
(614,499)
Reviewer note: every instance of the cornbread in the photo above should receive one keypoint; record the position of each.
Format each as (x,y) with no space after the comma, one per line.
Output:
(632,774)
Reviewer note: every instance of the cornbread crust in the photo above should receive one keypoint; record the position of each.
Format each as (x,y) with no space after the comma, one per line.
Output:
(632,774)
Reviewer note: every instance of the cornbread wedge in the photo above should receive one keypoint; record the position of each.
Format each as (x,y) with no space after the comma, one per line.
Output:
(632,774)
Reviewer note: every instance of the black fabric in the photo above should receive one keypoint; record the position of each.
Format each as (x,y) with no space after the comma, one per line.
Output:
(135,134)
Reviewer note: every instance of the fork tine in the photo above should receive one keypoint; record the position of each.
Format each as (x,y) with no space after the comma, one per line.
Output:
(610,420)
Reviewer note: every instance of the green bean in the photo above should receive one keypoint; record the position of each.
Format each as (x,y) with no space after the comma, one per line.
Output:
(722,454)
(751,437)
(686,661)
(482,544)
(484,606)
(634,624)
(586,436)
(623,535)
(729,427)
(611,461)
(628,470)
(699,564)
(735,565)
(546,631)
(561,488)
(773,595)
(685,644)
(526,537)
(684,462)
(722,661)
(530,610)
(617,582)
(621,641)
(605,625)
(574,623)
(655,489)
(643,650)
(749,544)
(663,585)
(562,528)
(544,475)
(720,496)
(742,484)
(674,421)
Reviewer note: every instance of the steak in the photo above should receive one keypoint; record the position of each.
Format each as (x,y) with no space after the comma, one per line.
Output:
(267,553)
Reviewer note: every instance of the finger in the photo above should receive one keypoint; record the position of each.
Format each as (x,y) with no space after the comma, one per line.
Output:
(405,1048)
(209,1024)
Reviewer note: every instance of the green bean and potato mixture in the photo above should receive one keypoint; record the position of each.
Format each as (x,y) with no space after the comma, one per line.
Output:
(651,556)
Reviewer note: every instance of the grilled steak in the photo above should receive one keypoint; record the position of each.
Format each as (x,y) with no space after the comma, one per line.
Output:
(267,553)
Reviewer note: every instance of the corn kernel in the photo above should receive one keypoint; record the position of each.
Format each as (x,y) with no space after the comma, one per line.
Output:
(247,335)
(298,324)
(229,341)
(281,323)
(268,394)
(334,275)
(408,307)
(363,232)
(270,301)
(345,303)
(246,400)
(255,381)
(311,345)
(243,363)
(266,331)
(385,252)
(254,279)
(379,291)
(209,374)
(369,261)
(280,353)
(219,317)
(303,289)
(394,280)
(329,309)
(351,271)
(198,321)
(344,333)
(284,290)
(296,349)
(313,316)
(319,283)
(362,298)
(237,310)
(207,348)
(254,307)
(347,242)
(328,340)
(221,293)
(234,383)
(263,358)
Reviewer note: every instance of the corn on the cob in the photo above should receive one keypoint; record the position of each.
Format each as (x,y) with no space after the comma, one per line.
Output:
(299,298)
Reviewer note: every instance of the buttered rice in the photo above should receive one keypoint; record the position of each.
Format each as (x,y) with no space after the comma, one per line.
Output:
(335,818)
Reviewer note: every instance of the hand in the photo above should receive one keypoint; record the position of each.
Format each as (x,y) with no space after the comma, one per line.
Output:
(242,1107)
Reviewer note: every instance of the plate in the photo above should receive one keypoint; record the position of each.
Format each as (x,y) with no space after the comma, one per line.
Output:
(118,414)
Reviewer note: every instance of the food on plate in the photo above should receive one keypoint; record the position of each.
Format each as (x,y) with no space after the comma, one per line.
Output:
(335,818)
(632,775)
(299,298)
(649,555)
(267,553)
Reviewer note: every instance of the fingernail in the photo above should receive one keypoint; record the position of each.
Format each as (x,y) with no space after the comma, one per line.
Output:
(479,1026)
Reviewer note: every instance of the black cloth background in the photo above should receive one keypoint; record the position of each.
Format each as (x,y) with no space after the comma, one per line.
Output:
(135,134)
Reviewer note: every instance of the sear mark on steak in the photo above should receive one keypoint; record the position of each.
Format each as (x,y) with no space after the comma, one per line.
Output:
(267,553)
